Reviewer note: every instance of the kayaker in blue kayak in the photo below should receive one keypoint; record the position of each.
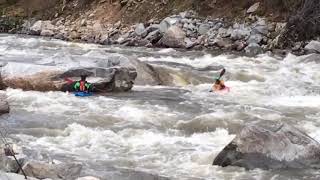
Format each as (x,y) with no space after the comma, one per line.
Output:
(82,85)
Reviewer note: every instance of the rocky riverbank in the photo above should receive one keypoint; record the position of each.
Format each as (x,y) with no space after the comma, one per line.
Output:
(83,21)
(252,35)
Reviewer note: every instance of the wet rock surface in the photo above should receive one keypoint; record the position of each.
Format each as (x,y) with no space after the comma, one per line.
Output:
(270,145)
(111,75)
(54,171)
(4,105)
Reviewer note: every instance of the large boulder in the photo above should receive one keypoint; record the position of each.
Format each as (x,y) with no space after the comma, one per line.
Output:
(140,30)
(270,145)
(313,47)
(174,37)
(240,33)
(44,27)
(108,75)
(167,23)
(203,29)
(42,170)
(9,164)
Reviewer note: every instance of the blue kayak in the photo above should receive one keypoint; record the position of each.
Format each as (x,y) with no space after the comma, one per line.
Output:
(83,94)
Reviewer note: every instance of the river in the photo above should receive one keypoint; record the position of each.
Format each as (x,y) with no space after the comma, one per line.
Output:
(172,131)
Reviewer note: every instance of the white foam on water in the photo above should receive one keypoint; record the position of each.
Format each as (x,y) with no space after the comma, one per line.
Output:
(294,101)
(148,150)
(149,134)
(13,69)
(166,51)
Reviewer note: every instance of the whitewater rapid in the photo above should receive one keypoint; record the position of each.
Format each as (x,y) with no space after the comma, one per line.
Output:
(169,131)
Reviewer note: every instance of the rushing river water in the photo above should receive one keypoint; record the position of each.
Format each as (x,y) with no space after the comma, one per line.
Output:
(169,131)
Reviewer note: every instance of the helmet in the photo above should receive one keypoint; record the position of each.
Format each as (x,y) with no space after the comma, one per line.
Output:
(83,77)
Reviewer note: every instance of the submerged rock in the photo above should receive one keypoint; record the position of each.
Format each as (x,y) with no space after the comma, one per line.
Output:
(270,145)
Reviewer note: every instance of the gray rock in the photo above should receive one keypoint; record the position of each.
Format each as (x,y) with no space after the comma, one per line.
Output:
(97,27)
(238,34)
(297,46)
(154,36)
(174,37)
(83,22)
(141,30)
(253,49)
(47,32)
(223,33)
(187,14)
(105,73)
(203,29)
(223,43)
(280,27)
(8,163)
(239,45)
(42,170)
(217,26)
(191,27)
(167,23)
(36,28)
(253,8)
(189,43)
(271,27)
(39,26)
(313,47)
(261,29)
(255,38)
(270,145)
(4,105)
(153,27)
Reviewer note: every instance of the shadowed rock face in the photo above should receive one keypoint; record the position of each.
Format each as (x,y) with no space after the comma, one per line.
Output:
(270,145)
(4,105)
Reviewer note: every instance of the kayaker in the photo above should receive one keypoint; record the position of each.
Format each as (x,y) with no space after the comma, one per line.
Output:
(220,86)
(82,85)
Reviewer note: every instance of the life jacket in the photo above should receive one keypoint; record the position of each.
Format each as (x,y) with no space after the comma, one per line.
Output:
(225,89)
(83,86)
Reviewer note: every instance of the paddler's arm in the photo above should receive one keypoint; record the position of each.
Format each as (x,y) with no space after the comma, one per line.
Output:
(88,87)
(76,86)
(211,90)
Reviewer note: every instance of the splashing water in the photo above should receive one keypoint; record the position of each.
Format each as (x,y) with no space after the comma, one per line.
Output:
(170,131)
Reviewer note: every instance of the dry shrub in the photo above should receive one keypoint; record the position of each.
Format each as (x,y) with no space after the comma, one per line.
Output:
(303,25)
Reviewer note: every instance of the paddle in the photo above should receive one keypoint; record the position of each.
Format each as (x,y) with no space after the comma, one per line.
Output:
(221,74)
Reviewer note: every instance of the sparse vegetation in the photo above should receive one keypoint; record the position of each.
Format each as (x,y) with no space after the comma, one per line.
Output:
(303,25)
